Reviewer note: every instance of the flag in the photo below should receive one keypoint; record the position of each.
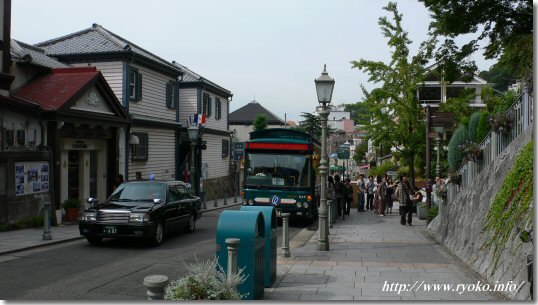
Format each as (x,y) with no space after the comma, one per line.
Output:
(196,119)
(203,118)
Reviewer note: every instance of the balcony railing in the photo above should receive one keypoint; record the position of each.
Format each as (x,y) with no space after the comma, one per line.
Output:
(494,144)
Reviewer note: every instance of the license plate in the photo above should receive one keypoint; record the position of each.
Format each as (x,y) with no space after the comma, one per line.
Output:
(110,230)
(278,212)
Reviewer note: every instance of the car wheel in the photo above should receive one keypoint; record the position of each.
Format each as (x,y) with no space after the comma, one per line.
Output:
(158,236)
(94,240)
(191,224)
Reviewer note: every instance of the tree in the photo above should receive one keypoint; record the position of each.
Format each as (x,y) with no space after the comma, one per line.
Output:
(260,122)
(360,152)
(397,116)
(507,24)
(500,76)
(459,106)
(359,113)
(311,124)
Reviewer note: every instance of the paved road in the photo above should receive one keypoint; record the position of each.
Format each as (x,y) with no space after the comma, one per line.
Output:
(113,271)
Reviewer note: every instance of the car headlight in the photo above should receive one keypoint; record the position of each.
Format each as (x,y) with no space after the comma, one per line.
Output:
(138,217)
(305,205)
(88,216)
(299,204)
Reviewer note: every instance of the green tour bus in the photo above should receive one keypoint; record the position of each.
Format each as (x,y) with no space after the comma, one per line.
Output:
(280,168)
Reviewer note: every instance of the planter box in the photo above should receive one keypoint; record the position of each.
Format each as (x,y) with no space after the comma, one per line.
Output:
(422,211)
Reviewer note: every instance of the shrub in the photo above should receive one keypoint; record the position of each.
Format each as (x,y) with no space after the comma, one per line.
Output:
(506,101)
(382,169)
(472,128)
(432,213)
(483,127)
(71,203)
(455,155)
(205,281)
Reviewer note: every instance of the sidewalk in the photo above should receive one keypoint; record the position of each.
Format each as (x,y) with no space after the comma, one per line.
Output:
(366,252)
(25,239)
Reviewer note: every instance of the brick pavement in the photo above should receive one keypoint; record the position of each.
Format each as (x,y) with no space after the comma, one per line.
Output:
(366,252)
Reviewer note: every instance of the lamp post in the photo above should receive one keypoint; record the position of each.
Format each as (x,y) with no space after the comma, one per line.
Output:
(324,89)
(193,136)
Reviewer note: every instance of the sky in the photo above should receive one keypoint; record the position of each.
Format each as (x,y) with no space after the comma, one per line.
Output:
(268,51)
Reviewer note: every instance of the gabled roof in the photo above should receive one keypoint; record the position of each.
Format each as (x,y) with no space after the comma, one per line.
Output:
(25,53)
(193,77)
(55,89)
(248,113)
(98,40)
(476,77)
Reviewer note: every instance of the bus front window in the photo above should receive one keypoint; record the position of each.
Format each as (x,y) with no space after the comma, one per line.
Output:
(278,170)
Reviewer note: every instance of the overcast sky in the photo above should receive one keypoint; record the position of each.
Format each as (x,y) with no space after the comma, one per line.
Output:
(270,51)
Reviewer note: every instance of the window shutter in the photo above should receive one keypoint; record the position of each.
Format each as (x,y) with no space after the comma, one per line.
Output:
(138,86)
(169,95)
(225,148)
(208,106)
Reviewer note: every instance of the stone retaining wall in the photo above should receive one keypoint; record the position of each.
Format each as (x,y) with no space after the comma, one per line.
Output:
(218,188)
(460,226)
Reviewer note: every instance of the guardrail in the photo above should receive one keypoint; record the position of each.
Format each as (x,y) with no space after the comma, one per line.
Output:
(494,144)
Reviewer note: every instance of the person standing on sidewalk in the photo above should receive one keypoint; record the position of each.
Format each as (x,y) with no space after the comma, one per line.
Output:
(330,188)
(381,195)
(370,193)
(390,191)
(404,197)
(361,192)
(339,194)
(349,195)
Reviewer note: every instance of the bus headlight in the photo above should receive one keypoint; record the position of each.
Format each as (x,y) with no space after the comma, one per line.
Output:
(299,204)
(251,201)
(305,205)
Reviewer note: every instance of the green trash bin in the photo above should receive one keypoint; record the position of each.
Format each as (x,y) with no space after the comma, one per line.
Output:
(269,215)
(249,227)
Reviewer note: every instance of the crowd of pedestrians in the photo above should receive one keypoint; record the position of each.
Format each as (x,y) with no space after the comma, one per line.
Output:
(375,194)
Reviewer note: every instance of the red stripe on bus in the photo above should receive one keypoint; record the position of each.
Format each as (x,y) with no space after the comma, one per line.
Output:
(278,146)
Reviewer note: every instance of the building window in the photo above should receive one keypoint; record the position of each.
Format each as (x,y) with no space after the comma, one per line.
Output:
(207,105)
(21,137)
(135,85)
(429,94)
(225,148)
(218,109)
(140,151)
(171,92)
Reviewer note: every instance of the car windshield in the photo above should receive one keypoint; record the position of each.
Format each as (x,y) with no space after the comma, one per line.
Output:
(278,170)
(139,191)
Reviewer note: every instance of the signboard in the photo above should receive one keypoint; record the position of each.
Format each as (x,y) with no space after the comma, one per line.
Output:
(343,153)
(239,145)
(392,173)
(31,178)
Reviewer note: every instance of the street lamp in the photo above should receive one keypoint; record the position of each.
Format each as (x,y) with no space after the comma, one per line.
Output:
(324,89)
(193,136)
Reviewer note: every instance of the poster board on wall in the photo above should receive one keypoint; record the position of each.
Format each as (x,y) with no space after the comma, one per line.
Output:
(31,177)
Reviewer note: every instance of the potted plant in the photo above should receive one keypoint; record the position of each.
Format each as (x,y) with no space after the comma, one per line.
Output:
(454,177)
(72,208)
(421,210)
(501,122)
(472,151)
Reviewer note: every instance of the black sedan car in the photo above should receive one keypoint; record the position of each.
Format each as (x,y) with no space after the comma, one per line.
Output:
(143,209)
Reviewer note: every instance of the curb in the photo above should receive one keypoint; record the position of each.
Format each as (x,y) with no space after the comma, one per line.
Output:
(66,240)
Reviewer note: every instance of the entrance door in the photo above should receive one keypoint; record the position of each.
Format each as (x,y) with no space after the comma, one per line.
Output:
(73,174)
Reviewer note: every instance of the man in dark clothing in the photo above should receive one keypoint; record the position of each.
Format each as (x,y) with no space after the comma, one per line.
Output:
(404,197)
(340,194)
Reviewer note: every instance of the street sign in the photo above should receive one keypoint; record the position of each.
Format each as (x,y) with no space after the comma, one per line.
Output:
(442,119)
(343,153)
(239,145)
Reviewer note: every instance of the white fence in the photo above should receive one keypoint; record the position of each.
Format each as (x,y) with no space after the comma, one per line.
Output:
(494,144)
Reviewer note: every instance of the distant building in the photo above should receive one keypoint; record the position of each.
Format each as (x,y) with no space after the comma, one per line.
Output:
(242,119)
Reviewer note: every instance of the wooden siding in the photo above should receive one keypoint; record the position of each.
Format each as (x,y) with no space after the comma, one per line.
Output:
(188,98)
(223,121)
(153,102)
(113,74)
(161,155)
(217,165)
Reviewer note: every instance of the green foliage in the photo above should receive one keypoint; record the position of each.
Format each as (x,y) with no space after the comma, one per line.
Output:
(72,203)
(490,97)
(459,106)
(507,101)
(260,122)
(455,155)
(508,25)
(472,128)
(500,76)
(405,170)
(397,116)
(360,152)
(205,281)
(33,222)
(511,207)
(432,213)
(359,113)
(311,124)
(382,169)
(483,127)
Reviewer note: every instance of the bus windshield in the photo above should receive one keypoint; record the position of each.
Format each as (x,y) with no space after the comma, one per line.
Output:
(277,170)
